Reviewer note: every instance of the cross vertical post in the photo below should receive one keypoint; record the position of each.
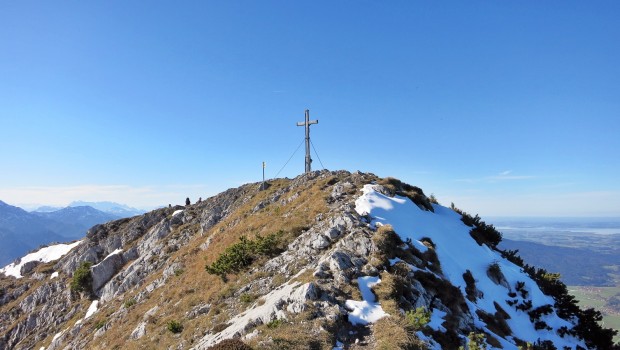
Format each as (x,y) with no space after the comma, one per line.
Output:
(307,124)
(263,184)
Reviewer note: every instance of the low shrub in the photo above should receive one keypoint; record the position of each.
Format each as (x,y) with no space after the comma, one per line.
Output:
(174,326)
(82,279)
(513,257)
(129,303)
(536,313)
(433,199)
(486,234)
(274,323)
(494,271)
(481,231)
(495,323)
(470,286)
(396,187)
(241,255)
(475,342)
(247,298)
(418,318)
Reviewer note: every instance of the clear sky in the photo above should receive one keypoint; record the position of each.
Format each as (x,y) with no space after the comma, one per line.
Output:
(502,107)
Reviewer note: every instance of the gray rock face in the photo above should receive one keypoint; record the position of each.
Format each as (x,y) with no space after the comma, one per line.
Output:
(313,277)
(139,331)
(103,271)
(28,267)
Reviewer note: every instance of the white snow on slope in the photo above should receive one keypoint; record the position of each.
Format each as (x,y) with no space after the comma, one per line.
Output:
(437,318)
(47,254)
(458,252)
(92,309)
(177,212)
(116,251)
(368,310)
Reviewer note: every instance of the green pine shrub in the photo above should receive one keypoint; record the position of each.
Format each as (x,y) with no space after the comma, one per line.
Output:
(275,323)
(475,342)
(82,279)
(239,256)
(174,326)
(247,298)
(418,318)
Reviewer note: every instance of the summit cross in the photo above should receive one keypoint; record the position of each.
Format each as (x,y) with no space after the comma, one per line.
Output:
(307,124)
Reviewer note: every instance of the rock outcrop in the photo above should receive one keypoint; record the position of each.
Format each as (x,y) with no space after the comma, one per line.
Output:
(148,276)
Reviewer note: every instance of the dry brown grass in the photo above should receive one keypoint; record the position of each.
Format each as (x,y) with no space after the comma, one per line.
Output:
(298,333)
(396,187)
(305,277)
(390,291)
(387,241)
(195,286)
(392,333)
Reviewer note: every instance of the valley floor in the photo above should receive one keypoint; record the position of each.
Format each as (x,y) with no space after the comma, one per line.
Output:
(604,299)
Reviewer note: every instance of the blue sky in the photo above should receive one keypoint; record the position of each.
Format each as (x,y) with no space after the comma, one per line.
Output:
(504,108)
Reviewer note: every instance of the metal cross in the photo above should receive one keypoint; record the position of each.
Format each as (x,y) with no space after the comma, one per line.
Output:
(307,124)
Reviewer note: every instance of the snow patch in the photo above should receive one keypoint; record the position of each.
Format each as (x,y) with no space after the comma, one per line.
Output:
(92,309)
(458,252)
(54,275)
(394,261)
(47,254)
(177,212)
(367,310)
(116,251)
(437,318)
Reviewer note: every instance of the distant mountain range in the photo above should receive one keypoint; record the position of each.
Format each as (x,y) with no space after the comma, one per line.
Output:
(117,209)
(73,222)
(22,231)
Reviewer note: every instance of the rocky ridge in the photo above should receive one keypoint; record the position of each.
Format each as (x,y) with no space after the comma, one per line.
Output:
(149,287)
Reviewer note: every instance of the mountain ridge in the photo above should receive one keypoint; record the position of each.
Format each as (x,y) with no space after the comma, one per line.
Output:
(286,268)
(22,231)
(113,208)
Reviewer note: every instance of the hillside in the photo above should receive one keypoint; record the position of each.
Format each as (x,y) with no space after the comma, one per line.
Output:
(328,260)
